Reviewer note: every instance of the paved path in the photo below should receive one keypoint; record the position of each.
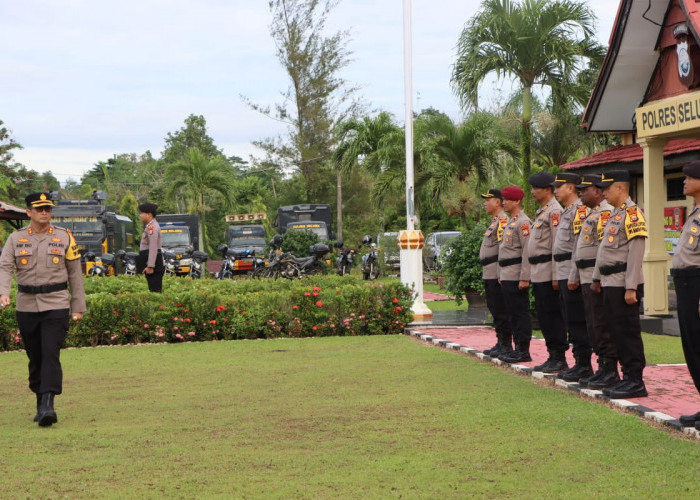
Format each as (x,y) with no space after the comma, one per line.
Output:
(671,390)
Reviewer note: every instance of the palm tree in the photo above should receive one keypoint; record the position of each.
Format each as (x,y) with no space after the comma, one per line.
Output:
(196,178)
(537,42)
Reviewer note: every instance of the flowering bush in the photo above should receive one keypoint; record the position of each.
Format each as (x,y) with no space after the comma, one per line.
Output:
(122,311)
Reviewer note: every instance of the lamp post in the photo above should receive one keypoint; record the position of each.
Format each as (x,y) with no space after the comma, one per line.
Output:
(411,240)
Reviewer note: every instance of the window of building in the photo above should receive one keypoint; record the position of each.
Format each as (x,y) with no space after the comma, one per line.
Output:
(674,189)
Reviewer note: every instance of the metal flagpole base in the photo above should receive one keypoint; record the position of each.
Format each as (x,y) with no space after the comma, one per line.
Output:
(411,243)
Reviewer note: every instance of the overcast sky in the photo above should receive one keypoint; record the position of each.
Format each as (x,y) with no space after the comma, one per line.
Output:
(85,79)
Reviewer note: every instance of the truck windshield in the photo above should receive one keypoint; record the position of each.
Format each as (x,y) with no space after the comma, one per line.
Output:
(175,237)
(318,228)
(80,228)
(247,242)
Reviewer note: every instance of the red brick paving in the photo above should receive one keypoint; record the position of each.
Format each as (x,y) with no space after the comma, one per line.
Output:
(671,390)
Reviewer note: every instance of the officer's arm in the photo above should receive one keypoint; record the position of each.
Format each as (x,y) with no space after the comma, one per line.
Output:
(153,248)
(7,267)
(633,275)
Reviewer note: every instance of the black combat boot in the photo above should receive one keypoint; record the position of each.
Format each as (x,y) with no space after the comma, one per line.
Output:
(493,351)
(38,407)
(609,377)
(581,369)
(558,363)
(47,415)
(584,381)
(521,353)
(630,387)
(540,368)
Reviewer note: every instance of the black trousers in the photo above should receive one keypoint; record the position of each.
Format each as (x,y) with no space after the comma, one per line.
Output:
(518,307)
(688,295)
(43,334)
(497,308)
(550,316)
(575,318)
(155,281)
(626,331)
(597,323)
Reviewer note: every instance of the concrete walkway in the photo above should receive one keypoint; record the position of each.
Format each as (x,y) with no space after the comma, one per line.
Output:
(671,390)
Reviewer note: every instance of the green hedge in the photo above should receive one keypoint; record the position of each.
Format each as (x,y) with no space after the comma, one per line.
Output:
(122,311)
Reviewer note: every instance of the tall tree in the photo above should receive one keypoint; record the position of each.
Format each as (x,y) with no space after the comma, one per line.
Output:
(316,99)
(192,135)
(199,180)
(537,42)
(7,144)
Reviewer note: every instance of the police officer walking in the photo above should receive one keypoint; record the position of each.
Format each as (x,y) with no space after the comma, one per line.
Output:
(514,273)
(150,255)
(618,271)
(584,256)
(571,298)
(686,277)
(488,257)
(46,263)
(542,273)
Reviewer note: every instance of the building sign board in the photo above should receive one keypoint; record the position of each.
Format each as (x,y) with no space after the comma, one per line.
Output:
(667,116)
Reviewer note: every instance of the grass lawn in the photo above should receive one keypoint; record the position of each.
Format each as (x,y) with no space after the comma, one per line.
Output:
(362,417)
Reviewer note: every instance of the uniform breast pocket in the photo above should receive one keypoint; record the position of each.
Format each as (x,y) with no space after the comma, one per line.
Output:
(537,231)
(24,258)
(55,257)
(564,232)
(691,242)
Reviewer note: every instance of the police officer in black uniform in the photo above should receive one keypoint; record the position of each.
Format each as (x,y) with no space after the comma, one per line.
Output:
(150,260)
(686,277)
(488,257)
(46,263)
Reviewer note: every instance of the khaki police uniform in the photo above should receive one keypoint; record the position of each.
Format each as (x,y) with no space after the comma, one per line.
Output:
(542,274)
(619,268)
(584,258)
(150,255)
(488,257)
(513,267)
(568,232)
(686,277)
(50,284)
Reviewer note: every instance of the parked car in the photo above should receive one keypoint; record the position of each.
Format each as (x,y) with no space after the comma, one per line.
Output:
(389,250)
(434,249)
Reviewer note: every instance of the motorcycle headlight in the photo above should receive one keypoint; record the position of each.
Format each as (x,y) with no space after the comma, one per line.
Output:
(186,262)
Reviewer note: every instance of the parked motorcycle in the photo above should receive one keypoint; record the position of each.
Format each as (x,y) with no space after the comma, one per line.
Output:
(230,256)
(293,267)
(274,260)
(128,262)
(99,266)
(197,266)
(370,260)
(345,258)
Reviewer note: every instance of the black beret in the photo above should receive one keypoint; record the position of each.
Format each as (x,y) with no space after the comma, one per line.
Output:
(613,176)
(541,180)
(38,200)
(692,169)
(493,193)
(589,180)
(563,177)
(148,208)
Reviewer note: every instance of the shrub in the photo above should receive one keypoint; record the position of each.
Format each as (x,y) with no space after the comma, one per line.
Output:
(462,269)
(297,242)
(122,311)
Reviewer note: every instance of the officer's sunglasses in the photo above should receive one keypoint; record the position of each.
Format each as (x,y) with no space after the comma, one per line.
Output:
(45,208)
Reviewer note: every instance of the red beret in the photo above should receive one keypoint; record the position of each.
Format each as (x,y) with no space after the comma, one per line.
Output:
(513,193)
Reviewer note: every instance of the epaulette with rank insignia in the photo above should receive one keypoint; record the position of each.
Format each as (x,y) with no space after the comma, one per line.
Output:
(502,222)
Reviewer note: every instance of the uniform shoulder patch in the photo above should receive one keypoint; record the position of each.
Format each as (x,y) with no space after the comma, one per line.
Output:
(554,217)
(635,225)
(72,252)
(525,229)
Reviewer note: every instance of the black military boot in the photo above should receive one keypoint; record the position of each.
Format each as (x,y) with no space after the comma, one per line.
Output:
(38,407)
(47,415)
(495,349)
(558,363)
(541,367)
(609,377)
(584,381)
(630,387)
(582,368)
(521,353)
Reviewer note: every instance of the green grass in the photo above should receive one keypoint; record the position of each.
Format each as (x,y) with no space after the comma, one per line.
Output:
(370,417)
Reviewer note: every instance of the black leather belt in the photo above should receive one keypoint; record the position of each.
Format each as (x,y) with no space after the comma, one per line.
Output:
(55,287)
(489,260)
(539,259)
(685,272)
(584,263)
(561,257)
(615,268)
(510,262)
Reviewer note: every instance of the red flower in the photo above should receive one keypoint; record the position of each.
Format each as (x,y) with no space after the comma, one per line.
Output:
(307,294)
(295,307)
(395,300)
(212,322)
(316,289)
(162,307)
(315,294)
(319,303)
(220,308)
(314,328)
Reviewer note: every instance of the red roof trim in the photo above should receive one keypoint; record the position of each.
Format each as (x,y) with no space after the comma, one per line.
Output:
(632,153)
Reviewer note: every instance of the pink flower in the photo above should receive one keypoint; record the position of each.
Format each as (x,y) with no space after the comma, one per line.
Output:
(319,303)
(146,325)
(180,336)
(307,294)
(315,294)
(332,325)
(191,334)
(295,307)
(314,328)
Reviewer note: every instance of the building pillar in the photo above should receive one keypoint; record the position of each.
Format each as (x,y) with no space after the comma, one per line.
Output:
(411,245)
(655,256)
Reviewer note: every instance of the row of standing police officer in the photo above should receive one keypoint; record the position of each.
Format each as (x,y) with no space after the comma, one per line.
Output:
(583,260)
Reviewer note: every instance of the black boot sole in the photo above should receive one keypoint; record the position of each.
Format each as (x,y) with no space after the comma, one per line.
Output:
(47,419)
